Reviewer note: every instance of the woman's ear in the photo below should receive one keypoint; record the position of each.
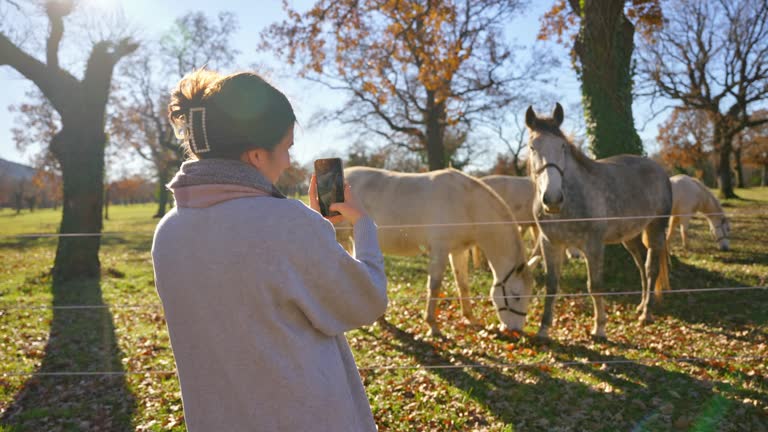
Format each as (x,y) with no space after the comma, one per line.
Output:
(251,157)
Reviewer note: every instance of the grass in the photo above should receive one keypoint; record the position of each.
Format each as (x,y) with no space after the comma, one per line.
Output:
(536,391)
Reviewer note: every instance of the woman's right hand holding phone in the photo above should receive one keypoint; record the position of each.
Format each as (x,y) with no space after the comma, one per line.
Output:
(351,210)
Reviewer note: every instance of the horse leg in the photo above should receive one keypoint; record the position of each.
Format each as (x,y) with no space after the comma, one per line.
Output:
(655,265)
(460,265)
(477,258)
(673,221)
(437,262)
(594,255)
(637,249)
(535,234)
(553,262)
(684,231)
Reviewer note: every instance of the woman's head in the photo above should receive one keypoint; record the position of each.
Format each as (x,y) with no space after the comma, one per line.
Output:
(227,116)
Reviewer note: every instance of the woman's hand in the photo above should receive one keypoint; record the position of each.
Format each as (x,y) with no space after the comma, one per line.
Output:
(350,209)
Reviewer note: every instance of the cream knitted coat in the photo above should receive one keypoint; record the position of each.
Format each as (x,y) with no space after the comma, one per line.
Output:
(257,296)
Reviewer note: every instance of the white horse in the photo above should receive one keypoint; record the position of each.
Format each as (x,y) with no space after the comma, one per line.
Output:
(690,196)
(445,212)
(518,193)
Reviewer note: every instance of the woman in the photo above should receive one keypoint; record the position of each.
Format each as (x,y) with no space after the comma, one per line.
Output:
(257,293)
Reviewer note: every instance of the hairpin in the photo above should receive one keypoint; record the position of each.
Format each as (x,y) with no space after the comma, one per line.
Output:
(196,148)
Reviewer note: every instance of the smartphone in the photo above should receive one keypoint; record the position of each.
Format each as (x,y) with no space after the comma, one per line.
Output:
(330,184)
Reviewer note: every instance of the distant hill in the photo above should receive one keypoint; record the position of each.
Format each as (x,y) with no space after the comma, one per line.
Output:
(15,170)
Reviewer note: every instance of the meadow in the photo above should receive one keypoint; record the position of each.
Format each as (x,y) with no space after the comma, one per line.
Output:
(700,367)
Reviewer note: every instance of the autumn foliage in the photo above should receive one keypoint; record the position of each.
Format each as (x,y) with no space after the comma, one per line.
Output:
(561,21)
(413,69)
(685,138)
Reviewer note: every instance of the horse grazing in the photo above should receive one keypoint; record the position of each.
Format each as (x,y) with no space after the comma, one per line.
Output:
(445,212)
(690,196)
(631,194)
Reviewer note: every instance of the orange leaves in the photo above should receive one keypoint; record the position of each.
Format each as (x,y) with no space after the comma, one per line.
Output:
(685,138)
(559,20)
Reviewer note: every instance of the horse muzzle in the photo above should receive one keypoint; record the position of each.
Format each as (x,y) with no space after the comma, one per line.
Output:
(552,202)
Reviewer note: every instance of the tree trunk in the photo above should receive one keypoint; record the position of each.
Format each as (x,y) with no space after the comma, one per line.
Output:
(19,201)
(739,169)
(81,156)
(764,182)
(106,202)
(604,48)
(162,193)
(725,140)
(519,170)
(435,133)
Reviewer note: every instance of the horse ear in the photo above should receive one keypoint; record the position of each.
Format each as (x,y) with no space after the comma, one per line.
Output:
(533,261)
(530,117)
(558,114)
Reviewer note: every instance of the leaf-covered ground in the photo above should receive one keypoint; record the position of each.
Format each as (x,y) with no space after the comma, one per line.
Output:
(637,380)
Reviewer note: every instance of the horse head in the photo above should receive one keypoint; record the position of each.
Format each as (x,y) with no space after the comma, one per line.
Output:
(547,148)
(511,294)
(721,232)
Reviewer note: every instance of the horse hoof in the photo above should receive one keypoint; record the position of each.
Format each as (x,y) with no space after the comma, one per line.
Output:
(473,322)
(434,333)
(639,308)
(599,337)
(645,319)
(543,335)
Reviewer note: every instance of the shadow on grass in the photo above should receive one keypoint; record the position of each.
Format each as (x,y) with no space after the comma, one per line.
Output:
(81,340)
(137,242)
(729,309)
(630,396)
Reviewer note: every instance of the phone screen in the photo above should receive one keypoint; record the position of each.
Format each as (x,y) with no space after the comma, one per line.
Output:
(330,184)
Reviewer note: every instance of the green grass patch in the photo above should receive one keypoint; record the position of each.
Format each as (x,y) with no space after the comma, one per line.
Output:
(534,392)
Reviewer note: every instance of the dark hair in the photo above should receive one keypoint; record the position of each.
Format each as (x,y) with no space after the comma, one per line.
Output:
(227,115)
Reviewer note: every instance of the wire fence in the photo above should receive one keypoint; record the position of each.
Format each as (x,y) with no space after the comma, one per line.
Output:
(399,299)
(4,308)
(710,361)
(438,225)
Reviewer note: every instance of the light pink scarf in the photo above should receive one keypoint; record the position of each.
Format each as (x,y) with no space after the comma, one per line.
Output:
(207,195)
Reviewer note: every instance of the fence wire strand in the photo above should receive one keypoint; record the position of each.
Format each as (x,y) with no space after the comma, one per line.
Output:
(439,225)
(399,299)
(568,363)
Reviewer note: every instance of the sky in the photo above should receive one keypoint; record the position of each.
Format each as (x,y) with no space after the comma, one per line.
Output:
(152,17)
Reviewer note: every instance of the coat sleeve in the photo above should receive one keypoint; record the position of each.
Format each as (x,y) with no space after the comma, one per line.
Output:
(338,292)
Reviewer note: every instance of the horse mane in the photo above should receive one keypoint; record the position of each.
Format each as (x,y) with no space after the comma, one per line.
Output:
(519,247)
(549,125)
(710,196)
(490,190)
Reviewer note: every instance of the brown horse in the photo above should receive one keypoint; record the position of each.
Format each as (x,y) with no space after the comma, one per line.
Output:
(630,196)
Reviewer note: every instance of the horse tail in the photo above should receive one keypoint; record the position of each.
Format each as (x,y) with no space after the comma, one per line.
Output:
(662,280)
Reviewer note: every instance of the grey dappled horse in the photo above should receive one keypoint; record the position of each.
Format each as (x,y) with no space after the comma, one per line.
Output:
(572,186)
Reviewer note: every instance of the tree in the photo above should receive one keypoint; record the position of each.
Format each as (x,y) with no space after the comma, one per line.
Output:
(79,145)
(48,186)
(756,146)
(602,57)
(413,69)
(294,180)
(713,56)
(194,41)
(686,140)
